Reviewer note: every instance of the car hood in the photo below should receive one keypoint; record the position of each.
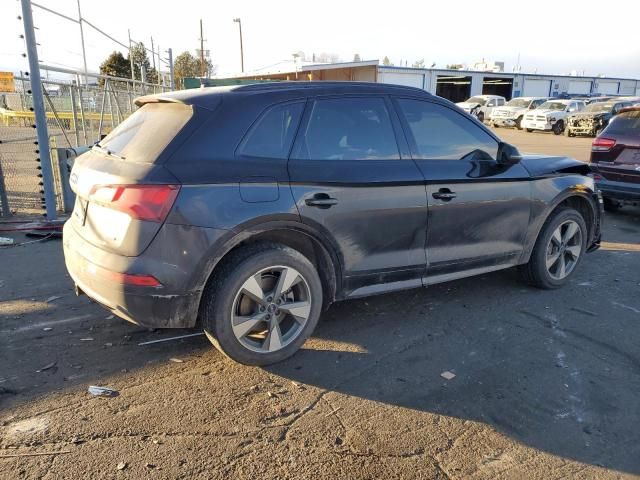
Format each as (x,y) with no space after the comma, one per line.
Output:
(590,114)
(546,111)
(467,105)
(540,165)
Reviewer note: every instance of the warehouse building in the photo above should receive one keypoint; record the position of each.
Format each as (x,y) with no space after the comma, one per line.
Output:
(455,85)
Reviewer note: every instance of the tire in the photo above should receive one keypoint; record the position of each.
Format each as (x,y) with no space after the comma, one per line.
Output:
(268,334)
(549,246)
(558,127)
(495,125)
(519,123)
(481,117)
(611,205)
(529,130)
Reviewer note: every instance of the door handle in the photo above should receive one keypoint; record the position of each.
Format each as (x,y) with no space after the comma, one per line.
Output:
(444,194)
(321,200)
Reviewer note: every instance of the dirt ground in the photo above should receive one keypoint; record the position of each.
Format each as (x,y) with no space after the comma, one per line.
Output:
(546,382)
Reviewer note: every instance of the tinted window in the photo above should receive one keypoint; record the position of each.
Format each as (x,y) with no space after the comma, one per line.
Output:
(272,135)
(626,123)
(143,136)
(348,129)
(443,134)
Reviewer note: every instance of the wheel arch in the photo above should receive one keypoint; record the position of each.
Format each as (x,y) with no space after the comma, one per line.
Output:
(578,199)
(315,246)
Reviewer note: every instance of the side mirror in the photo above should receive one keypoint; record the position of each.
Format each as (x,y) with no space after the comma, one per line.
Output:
(508,154)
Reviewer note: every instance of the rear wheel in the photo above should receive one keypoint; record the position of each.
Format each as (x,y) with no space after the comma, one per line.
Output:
(262,304)
(529,130)
(519,123)
(558,250)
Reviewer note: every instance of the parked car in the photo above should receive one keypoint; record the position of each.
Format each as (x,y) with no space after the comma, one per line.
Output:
(615,159)
(594,118)
(247,210)
(481,106)
(514,110)
(551,115)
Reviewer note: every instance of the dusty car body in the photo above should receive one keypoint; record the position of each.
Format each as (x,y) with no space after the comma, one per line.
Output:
(246,210)
(481,106)
(594,118)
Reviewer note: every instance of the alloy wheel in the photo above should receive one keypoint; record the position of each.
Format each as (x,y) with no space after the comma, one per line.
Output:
(564,250)
(271,309)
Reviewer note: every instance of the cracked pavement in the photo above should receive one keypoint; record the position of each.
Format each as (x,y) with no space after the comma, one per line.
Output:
(546,383)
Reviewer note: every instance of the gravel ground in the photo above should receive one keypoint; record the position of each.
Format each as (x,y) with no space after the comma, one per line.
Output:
(546,382)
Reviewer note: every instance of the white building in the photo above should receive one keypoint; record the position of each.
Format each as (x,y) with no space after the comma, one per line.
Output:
(456,85)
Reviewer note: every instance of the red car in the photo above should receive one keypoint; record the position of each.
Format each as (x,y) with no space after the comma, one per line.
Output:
(615,159)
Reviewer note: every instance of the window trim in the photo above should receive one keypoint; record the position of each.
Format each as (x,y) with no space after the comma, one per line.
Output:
(413,146)
(404,151)
(237,152)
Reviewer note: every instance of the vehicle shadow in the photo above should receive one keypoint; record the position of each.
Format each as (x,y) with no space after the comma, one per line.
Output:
(531,366)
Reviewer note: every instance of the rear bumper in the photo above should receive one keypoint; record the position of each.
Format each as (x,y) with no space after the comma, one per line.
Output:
(172,305)
(623,191)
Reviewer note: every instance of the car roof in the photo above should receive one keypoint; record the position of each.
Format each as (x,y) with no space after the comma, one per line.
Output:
(209,97)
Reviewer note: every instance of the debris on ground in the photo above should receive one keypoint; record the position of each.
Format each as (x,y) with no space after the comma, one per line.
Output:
(170,338)
(447,375)
(150,465)
(103,391)
(33,454)
(271,395)
(88,339)
(333,412)
(47,367)
(121,465)
(53,298)
(586,312)
(176,360)
(47,329)
(6,241)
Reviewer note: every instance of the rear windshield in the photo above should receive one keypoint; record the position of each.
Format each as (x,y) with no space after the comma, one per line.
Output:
(627,123)
(142,136)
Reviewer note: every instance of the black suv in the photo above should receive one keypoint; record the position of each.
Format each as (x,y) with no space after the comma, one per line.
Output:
(246,210)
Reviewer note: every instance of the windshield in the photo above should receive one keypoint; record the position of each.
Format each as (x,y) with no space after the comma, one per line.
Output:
(479,100)
(553,106)
(599,107)
(519,103)
(145,134)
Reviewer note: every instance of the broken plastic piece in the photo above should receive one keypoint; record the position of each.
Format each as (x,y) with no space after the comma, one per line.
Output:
(103,391)
(447,375)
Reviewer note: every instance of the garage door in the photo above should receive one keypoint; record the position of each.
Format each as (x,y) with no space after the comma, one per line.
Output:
(536,88)
(408,79)
(608,88)
(581,87)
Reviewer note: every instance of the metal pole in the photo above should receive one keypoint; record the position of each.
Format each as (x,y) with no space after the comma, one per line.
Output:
(172,82)
(84,52)
(4,200)
(201,50)
(102,110)
(84,120)
(39,111)
(239,22)
(153,55)
(74,112)
(133,74)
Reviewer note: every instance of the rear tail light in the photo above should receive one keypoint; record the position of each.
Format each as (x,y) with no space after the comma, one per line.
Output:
(143,202)
(602,145)
(138,280)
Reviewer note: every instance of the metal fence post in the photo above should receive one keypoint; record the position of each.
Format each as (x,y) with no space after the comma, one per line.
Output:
(74,113)
(39,110)
(172,83)
(4,200)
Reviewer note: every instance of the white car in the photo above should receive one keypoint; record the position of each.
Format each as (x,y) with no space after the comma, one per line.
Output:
(551,115)
(482,105)
(514,110)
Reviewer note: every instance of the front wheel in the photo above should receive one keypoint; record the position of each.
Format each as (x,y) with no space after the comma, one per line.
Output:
(519,123)
(558,250)
(262,304)
(481,117)
(529,130)
(558,127)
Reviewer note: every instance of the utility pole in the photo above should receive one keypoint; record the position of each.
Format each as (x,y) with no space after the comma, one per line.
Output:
(202,67)
(133,73)
(239,22)
(42,132)
(153,54)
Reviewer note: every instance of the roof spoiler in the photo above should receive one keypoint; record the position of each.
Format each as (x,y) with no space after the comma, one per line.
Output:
(154,99)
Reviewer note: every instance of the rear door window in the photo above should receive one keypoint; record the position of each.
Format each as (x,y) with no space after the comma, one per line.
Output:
(143,136)
(349,128)
(440,133)
(272,135)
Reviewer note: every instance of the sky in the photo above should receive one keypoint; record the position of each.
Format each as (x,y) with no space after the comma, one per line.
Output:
(549,36)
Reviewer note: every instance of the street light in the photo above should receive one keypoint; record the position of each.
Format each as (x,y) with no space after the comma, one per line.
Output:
(239,22)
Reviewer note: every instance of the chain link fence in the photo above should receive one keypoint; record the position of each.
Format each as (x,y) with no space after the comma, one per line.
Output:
(80,109)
